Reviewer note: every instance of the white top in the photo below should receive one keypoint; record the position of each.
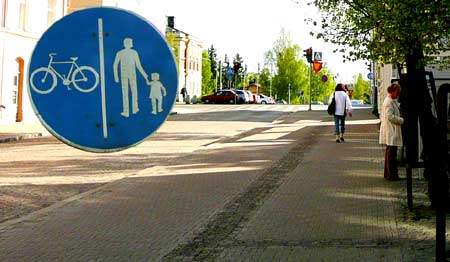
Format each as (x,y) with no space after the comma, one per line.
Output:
(342,102)
(391,121)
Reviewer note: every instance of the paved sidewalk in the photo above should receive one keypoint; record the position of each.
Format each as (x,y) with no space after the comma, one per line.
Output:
(286,193)
(20,130)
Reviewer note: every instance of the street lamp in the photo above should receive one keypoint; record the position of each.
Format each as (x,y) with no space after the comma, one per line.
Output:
(289,93)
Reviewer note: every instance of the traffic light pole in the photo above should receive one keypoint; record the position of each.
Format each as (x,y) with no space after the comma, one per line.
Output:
(310,85)
(308,54)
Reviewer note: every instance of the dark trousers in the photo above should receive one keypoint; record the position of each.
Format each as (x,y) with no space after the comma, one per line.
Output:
(390,163)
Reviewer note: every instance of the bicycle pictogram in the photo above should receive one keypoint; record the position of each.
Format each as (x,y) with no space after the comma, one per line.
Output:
(44,79)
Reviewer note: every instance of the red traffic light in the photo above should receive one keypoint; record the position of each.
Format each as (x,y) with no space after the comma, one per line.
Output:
(308,54)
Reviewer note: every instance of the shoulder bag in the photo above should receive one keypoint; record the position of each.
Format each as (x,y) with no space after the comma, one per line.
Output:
(332,106)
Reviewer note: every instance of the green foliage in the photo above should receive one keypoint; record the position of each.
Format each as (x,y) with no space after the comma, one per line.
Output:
(170,37)
(361,89)
(214,64)
(291,68)
(264,80)
(239,77)
(385,31)
(208,84)
(322,90)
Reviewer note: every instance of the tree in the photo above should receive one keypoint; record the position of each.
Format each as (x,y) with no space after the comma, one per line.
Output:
(406,32)
(264,80)
(361,89)
(212,52)
(291,70)
(207,82)
(170,37)
(321,91)
(238,69)
(227,78)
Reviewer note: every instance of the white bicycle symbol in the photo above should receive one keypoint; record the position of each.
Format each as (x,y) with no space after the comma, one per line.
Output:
(77,75)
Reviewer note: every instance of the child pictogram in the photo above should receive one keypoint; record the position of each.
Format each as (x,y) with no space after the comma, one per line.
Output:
(157,91)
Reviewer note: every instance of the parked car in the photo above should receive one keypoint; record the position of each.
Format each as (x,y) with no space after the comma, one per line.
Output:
(316,103)
(266,99)
(256,99)
(357,102)
(243,96)
(221,97)
(281,101)
(250,96)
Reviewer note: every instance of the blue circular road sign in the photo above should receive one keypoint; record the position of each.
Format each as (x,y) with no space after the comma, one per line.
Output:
(370,76)
(102,79)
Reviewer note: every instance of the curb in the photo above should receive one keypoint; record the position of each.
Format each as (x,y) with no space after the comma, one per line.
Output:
(20,137)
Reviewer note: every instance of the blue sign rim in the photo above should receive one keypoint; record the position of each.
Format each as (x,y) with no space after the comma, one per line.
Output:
(61,137)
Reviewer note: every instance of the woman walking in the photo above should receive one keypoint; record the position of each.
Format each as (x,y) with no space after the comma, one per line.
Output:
(343,105)
(390,131)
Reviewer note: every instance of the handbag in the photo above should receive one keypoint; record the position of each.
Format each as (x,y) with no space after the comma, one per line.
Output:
(332,106)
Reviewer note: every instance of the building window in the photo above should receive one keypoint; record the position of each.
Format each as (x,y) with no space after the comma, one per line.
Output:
(52,12)
(32,16)
(17,15)
(394,71)
(2,13)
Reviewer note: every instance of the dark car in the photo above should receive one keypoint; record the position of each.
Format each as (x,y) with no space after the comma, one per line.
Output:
(221,97)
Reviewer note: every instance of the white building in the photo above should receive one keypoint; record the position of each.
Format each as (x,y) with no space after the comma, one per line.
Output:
(22,22)
(384,75)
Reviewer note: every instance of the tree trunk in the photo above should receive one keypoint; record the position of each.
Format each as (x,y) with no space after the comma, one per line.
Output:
(418,106)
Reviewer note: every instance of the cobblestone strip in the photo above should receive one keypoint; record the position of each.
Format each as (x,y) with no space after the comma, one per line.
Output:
(335,243)
(209,243)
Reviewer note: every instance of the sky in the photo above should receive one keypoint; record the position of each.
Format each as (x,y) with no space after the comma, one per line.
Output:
(248,27)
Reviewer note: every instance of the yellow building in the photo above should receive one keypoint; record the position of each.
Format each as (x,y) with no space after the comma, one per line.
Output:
(188,53)
(22,22)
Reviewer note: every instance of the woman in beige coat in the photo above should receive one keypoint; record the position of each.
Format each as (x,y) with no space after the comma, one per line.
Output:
(390,131)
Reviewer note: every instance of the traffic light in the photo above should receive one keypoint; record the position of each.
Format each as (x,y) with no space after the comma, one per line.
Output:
(236,67)
(308,54)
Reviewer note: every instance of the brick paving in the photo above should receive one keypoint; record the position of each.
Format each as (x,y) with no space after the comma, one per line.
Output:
(297,197)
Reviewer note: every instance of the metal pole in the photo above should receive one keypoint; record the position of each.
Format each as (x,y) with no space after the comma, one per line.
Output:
(257,82)
(310,85)
(289,93)
(220,74)
(270,85)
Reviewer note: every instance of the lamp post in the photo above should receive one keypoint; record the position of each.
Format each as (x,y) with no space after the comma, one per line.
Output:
(270,80)
(289,93)
(220,74)
(257,82)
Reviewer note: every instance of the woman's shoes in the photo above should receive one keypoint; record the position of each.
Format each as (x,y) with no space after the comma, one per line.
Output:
(340,140)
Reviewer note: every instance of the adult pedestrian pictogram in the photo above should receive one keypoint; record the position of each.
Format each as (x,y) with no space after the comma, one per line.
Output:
(89,79)
(129,61)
